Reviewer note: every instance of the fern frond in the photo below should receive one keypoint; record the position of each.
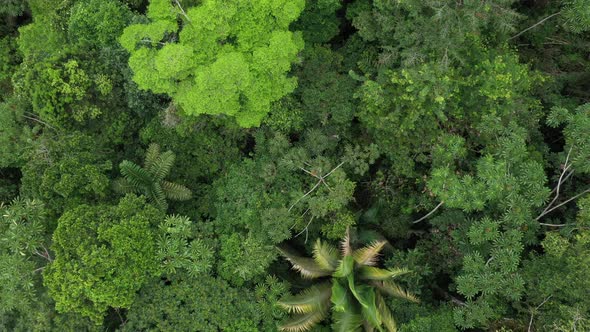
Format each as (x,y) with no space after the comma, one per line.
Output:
(135,175)
(307,267)
(368,255)
(162,166)
(151,155)
(301,323)
(374,273)
(391,288)
(176,192)
(315,298)
(325,255)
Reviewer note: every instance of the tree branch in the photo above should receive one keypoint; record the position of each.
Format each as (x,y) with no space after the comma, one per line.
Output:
(533,312)
(563,203)
(182,11)
(429,213)
(534,25)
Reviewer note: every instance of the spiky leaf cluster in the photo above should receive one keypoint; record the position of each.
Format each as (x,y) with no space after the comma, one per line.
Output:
(354,293)
(149,180)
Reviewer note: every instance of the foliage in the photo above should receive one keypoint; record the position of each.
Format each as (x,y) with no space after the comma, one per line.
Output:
(149,180)
(451,136)
(103,255)
(355,295)
(65,171)
(207,304)
(222,60)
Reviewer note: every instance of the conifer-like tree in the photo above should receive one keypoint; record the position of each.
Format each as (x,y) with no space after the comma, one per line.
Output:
(355,293)
(149,180)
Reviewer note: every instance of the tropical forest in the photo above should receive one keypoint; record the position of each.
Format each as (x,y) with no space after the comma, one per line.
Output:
(295,165)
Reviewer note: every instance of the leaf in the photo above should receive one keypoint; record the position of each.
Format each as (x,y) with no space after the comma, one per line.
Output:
(123,186)
(315,298)
(386,316)
(136,175)
(345,244)
(162,165)
(307,267)
(157,196)
(325,255)
(366,297)
(176,192)
(374,273)
(304,322)
(391,288)
(368,255)
(347,322)
(151,156)
(340,298)
(345,268)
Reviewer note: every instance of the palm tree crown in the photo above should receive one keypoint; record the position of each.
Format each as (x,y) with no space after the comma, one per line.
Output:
(149,180)
(355,292)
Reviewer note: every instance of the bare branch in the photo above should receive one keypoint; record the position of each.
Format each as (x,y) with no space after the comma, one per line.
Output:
(429,213)
(533,312)
(335,168)
(305,195)
(560,181)
(39,121)
(563,203)
(182,11)
(534,25)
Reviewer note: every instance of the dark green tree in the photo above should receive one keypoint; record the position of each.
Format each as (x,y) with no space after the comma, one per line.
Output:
(149,180)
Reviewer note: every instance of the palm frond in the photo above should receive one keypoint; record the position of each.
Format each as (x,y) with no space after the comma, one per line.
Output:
(162,165)
(374,273)
(370,312)
(341,301)
(122,186)
(307,267)
(345,244)
(386,316)
(135,175)
(391,288)
(301,323)
(315,298)
(368,255)
(175,191)
(325,255)
(156,195)
(347,322)
(345,267)
(151,155)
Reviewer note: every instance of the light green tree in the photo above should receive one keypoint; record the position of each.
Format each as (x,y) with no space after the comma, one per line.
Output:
(103,255)
(227,57)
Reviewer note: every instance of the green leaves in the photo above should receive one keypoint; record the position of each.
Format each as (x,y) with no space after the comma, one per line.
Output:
(227,59)
(149,181)
(313,299)
(307,267)
(103,255)
(354,300)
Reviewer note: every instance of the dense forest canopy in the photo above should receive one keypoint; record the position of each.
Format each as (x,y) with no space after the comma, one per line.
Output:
(295,165)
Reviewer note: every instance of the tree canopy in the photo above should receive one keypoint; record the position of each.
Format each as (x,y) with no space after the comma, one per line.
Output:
(295,165)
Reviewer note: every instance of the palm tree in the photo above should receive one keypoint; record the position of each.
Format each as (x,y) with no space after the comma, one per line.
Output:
(149,180)
(354,293)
